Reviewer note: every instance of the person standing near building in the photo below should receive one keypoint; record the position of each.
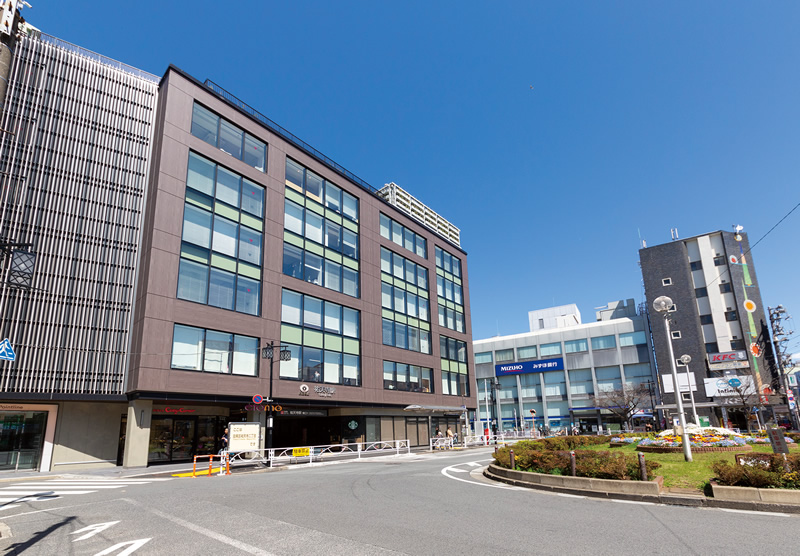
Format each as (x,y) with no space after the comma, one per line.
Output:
(224,442)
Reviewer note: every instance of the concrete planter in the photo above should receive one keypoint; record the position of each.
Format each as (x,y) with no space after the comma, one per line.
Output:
(748,494)
(587,484)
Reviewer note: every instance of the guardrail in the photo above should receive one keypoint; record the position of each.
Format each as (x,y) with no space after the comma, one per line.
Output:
(309,454)
(224,463)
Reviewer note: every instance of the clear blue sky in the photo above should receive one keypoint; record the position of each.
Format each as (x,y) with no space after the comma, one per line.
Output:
(643,116)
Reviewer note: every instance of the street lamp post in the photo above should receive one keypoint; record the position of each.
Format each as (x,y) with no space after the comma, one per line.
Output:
(268,352)
(662,305)
(686,359)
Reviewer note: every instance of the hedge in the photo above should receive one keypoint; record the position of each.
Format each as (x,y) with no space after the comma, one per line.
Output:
(760,471)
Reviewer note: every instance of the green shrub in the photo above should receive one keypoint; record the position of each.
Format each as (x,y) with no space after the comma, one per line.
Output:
(756,473)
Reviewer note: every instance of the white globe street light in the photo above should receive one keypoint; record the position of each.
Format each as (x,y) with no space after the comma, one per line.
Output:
(662,305)
(686,359)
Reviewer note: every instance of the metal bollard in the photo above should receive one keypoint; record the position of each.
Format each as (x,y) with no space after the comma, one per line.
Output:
(572,463)
(513,462)
(642,467)
(495,450)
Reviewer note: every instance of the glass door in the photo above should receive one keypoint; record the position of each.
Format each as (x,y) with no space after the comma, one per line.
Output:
(21,439)
(183,439)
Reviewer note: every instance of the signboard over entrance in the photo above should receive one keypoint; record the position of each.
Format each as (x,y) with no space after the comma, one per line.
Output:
(540,366)
(244,437)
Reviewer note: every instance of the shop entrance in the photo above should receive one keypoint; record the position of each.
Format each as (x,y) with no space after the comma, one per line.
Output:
(175,439)
(21,439)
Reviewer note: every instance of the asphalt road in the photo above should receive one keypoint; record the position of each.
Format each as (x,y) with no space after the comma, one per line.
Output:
(419,504)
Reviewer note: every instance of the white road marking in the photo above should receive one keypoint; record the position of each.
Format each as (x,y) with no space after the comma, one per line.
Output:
(27,498)
(64,485)
(474,464)
(636,502)
(456,470)
(92,530)
(43,492)
(244,547)
(453,468)
(754,512)
(565,495)
(9,507)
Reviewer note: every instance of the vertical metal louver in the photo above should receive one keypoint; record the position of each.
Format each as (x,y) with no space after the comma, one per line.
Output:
(73,173)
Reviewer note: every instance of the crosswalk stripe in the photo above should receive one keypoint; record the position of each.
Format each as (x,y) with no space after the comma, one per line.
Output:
(43,492)
(61,485)
(27,499)
(9,507)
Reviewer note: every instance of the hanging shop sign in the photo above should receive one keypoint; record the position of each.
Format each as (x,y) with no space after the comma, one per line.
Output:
(729,386)
(739,355)
(523,367)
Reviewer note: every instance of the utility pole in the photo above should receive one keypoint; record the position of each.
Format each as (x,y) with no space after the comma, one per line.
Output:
(779,340)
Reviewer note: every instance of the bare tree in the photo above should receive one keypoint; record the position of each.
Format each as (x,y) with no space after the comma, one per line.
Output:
(624,402)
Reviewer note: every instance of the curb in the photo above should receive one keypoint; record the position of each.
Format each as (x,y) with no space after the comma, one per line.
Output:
(698,501)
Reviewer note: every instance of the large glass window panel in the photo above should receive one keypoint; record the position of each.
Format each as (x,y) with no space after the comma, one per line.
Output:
(411,272)
(424,341)
(221,288)
(187,348)
(225,236)
(388,332)
(386,230)
(483,357)
(397,233)
(421,247)
(313,268)
(333,197)
(255,152)
(351,370)
(293,217)
(312,364)
(192,281)
(576,346)
(248,295)
(250,245)
(550,349)
(349,206)
(527,352)
(459,322)
(502,355)
(313,186)
(399,300)
(218,352)
(604,342)
(245,355)
(312,312)
(349,243)
(411,305)
(456,268)
(397,266)
(448,290)
(451,320)
(386,295)
(228,186)
(388,375)
(400,335)
(439,257)
(408,239)
(423,309)
(413,338)
(333,367)
(349,281)
(230,139)
(462,352)
(196,226)
(442,315)
(422,277)
(401,372)
(333,236)
(333,317)
(333,276)
(291,369)
(608,378)
(386,261)
(443,351)
(439,286)
(632,339)
(292,261)
(294,175)
(446,383)
(201,174)
(205,124)
(291,307)
(555,383)
(314,227)
(457,294)
(252,198)
(350,318)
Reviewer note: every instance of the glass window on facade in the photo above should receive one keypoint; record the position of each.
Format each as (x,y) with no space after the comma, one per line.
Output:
(483,357)
(531,385)
(407,378)
(221,249)
(580,383)
(228,137)
(576,346)
(324,338)
(527,352)
(608,378)
(503,355)
(546,350)
(632,339)
(402,236)
(555,383)
(212,351)
(508,387)
(604,342)
(637,374)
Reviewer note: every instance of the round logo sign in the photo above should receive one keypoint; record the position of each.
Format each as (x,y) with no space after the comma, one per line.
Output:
(750,306)
(304,388)
(258,399)
(352,425)
(734,382)
(755,349)
(733,259)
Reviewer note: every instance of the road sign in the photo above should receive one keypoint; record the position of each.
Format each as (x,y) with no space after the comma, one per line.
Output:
(6,351)
(778,441)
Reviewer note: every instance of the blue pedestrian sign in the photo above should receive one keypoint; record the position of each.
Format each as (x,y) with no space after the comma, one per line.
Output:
(6,351)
